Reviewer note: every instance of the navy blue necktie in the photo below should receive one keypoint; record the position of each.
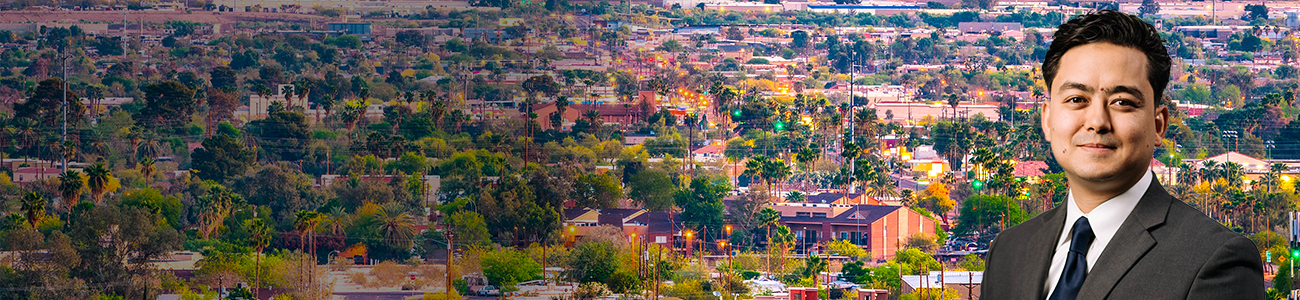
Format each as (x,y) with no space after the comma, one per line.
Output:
(1076,263)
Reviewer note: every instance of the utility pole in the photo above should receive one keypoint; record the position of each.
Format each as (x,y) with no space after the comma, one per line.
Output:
(853,187)
(65,109)
(450,257)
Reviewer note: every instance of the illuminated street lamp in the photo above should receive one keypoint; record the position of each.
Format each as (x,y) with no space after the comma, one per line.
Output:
(690,251)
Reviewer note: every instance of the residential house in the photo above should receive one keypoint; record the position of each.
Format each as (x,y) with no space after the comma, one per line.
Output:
(965,283)
(614,114)
(259,106)
(842,199)
(1029,169)
(879,229)
(24,175)
(580,222)
(708,153)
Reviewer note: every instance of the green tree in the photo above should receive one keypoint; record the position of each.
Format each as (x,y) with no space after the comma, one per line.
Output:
(508,266)
(470,229)
(167,103)
(597,190)
(980,213)
(221,158)
(33,208)
(799,39)
(70,186)
(1149,7)
(283,133)
(1282,281)
(214,207)
(702,203)
(223,78)
(98,178)
(261,237)
(915,262)
(46,104)
(396,226)
(651,189)
(592,262)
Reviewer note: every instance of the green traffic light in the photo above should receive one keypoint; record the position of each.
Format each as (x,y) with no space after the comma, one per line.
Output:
(735,113)
(977,185)
(1295,253)
(780,125)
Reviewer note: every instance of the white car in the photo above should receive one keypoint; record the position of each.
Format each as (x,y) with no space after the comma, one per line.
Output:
(489,291)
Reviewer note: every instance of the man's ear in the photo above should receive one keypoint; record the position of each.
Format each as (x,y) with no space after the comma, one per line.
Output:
(1042,117)
(1162,123)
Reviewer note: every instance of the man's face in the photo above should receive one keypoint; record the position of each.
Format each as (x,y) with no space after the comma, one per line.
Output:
(1102,121)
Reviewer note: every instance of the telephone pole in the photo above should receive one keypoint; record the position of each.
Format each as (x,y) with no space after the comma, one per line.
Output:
(450,256)
(65,110)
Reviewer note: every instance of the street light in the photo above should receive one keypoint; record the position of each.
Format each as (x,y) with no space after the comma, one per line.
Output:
(690,251)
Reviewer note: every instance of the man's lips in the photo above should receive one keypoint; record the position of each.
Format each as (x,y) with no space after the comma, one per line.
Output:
(1097,147)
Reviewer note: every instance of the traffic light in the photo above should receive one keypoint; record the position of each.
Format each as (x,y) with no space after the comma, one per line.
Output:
(735,112)
(1295,253)
(779,125)
(977,185)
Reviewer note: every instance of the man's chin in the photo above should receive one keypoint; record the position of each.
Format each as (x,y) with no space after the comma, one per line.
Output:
(1096,174)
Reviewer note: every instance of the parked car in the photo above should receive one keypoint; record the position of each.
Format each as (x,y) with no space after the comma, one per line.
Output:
(489,291)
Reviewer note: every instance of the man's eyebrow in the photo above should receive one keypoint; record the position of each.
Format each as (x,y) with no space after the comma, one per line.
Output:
(1131,90)
(1077,86)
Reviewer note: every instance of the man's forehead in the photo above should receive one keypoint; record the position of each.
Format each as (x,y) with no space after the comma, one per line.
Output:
(1102,66)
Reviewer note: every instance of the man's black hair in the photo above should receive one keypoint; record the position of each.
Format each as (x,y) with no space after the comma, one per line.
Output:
(1120,29)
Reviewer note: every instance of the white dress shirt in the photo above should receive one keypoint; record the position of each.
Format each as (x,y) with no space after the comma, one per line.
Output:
(1105,220)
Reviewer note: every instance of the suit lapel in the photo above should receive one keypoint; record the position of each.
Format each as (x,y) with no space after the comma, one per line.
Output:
(1130,243)
(1043,246)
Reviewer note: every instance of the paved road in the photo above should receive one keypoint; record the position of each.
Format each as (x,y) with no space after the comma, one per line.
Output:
(378,295)
(394,296)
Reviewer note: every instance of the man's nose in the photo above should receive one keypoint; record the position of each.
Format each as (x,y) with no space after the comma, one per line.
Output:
(1096,117)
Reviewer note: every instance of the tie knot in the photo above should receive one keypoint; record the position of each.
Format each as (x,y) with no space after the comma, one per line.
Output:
(1082,237)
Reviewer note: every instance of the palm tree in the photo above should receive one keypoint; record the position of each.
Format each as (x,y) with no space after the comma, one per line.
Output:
(396,226)
(147,168)
(767,218)
(68,150)
(691,121)
(882,186)
(776,170)
(97,177)
(214,207)
(261,237)
(149,146)
(338,220)
(303,91)
(305,222)
(287,91)
(806,157)
(593,117)
(754,167)
(784,239)
(25,131)
(6,131)
(70,186)
(34,207)
(262,90)
(1274,172)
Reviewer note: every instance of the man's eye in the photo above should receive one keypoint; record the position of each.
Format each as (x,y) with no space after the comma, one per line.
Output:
(1074,100)
(1124,102)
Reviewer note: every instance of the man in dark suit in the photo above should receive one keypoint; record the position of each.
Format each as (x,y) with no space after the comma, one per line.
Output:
(1119,235)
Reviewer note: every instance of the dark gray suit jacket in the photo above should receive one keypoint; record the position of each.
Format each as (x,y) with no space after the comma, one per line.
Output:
(1165,249)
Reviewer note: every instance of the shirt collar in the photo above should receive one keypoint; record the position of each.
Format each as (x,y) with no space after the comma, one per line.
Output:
(1106,218)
